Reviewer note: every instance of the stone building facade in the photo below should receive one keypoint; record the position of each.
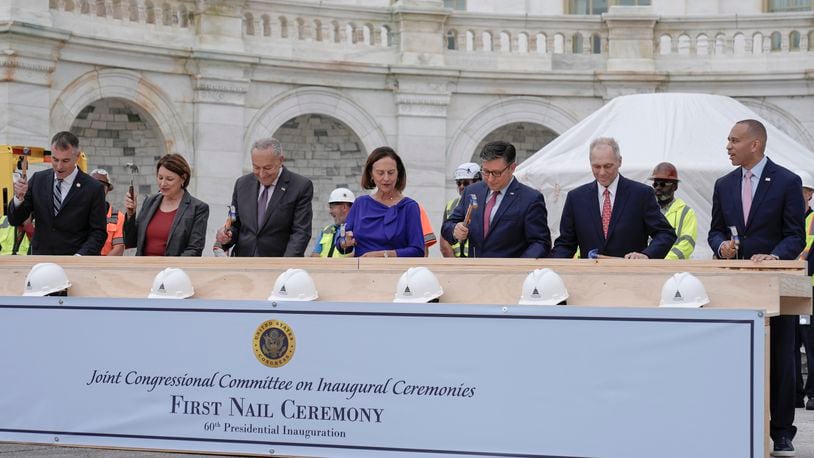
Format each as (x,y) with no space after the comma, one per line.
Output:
(334,79)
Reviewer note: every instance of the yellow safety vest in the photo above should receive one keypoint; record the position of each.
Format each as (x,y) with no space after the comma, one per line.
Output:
(8,234)
(460,250)
(682,218)
(327,242)
(809,239)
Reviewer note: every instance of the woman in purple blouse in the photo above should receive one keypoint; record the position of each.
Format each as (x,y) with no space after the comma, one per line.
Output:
(385,223)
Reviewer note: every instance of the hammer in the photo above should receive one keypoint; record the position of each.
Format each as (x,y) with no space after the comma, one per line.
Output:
(24,164)
(133,169)
(473,204)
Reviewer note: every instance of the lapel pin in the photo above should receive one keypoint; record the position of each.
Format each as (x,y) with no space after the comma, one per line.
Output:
(78,185)
(282,189)
(511,193)
(768,179)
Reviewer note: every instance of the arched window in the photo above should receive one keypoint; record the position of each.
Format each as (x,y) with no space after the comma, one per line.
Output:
(149,11)
(182,11)
(596,43)
(577,43)
(522,42)
(452,40)
(117,9)
(505,42)
(300,29)
(367,34)
(133,11)
(386,36)
(542,43)
(248,24)
(702,45)
(559,43)
(757,43)
(739,44)
(283,26)
(84,7)
(470,40)
(317,30)
(69,6)
(334,32)
(777,41)
(794,41)
(487,41)
(719,44)
(683,45)
(665,45)
(101,11)
(266,25)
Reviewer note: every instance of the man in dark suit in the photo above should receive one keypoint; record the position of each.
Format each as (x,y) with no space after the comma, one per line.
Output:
(612,216)
(511,218)
(272,207)
(68,205)
(763,203)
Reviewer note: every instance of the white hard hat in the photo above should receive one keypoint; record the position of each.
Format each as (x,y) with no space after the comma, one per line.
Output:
(341,195)
(417,285)
(543,287)
(171,283)
(45,278)
(294,285)
(683,290)
(808,180)
(467,171)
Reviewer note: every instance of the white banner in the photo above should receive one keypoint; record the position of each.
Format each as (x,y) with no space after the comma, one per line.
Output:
(341,379)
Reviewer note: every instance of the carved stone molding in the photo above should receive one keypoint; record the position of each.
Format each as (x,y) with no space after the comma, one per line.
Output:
(26,70)
(218,91)
(423,105)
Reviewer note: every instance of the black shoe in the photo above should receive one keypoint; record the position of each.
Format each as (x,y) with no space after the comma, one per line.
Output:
(783,447)
(810,404)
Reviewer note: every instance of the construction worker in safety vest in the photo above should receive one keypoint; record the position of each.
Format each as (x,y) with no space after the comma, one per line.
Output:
(466,174)
(339,203)
(13,239)
(678,213)
(805,333)
(114,245)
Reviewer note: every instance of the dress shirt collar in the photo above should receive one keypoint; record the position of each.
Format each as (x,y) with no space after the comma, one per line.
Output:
(757,170)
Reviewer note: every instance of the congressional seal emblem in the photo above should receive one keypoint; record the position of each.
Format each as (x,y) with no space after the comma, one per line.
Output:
(274,343)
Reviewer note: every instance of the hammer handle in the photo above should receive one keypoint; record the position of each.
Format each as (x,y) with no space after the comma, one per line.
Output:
(468,217)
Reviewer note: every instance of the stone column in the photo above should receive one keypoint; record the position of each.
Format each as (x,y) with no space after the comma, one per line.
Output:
(218,131)
(421,142)
(631,38)
(421,31)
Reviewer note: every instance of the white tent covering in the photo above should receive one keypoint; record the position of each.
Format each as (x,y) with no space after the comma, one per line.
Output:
(688,130)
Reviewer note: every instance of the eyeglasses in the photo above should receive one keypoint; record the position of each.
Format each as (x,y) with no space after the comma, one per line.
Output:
(661,183)
(494,173)
(463,182)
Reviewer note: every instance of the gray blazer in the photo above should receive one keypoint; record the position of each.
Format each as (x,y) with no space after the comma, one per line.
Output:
(286,228)
(188,231)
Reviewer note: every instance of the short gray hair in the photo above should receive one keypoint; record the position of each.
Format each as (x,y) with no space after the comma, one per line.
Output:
(268,143)
(609,141)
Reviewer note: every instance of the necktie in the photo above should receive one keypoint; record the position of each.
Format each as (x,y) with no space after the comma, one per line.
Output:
(606,212)
(487,213)
(261,206)
(747,195)
(57,196)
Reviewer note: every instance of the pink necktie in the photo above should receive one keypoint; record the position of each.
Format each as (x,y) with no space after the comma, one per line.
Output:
(487,213)
(747,195)
(606,212)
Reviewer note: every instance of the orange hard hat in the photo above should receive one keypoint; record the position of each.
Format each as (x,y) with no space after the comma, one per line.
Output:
(665,171)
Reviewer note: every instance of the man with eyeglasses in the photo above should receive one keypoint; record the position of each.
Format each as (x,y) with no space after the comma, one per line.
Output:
(114,245)
(680,215)
(510,221)
(612,216)
(466,174)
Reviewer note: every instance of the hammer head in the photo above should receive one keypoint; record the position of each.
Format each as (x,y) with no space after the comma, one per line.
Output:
(132,168)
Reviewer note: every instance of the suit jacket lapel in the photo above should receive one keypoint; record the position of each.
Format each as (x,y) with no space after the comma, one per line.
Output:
(735,187)
(73,190)
(763,187)
(619,202)
(49,182)
(182,207)
(505,203)
(477,215)
(594,208)
(279,191)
